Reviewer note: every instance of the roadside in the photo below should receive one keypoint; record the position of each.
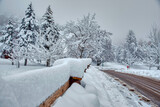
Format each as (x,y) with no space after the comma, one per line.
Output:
(100,89)
(137,69)
(146,86)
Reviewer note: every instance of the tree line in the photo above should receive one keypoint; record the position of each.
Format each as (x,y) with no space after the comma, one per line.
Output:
(45,41)
(143,51)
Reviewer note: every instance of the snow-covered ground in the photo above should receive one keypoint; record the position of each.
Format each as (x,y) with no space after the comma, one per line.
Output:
(32,87)
(6,68)
(77,96)
(138,69)
(99,90)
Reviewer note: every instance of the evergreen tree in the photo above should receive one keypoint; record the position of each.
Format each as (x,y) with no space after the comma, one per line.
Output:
(131,48)
(8,38)
(131,42)
(28,33)
(127,53)
(50,37)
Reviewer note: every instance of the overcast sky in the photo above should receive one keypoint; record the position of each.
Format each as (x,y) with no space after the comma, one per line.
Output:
(116,16)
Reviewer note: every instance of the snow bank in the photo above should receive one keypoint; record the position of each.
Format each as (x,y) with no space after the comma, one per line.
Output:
(110,92)
(141,70)
(77,66)
(29,89)
(77,96)
(100,90)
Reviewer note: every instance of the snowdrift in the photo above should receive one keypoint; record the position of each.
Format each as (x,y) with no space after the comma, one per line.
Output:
(77,66)
(31,88)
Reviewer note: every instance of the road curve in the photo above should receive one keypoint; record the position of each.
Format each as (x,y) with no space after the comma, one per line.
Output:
(146,86)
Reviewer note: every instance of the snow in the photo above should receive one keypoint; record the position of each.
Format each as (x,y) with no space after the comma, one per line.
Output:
(77,96)
(7,98)
(31,88)
(77,67)
(138,69)
(7,69)
(100,90)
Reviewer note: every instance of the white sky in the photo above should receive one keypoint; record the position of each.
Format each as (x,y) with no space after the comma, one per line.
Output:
(116,16)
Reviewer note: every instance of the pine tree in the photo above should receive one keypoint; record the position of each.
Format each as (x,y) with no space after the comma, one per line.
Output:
(28,32)
(8,38)
(131,48)
(50,35)
(131,42)
(128,52)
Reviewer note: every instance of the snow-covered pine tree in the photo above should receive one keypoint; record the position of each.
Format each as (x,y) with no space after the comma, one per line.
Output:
(50,37)
(127,53)
(119,54)
(131,42)
(7,40)
(28,33)
(131,47)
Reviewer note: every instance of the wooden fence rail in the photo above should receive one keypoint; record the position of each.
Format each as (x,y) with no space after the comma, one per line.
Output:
(51,99)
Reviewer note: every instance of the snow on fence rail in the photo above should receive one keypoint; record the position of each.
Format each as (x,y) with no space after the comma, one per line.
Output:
(77,66)
(31,88)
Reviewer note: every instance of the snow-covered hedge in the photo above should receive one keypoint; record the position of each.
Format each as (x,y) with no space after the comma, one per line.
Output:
(31,88)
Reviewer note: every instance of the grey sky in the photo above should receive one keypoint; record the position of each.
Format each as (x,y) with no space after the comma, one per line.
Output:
(116,16)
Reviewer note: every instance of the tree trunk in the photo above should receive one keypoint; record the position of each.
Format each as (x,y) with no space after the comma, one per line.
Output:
(81,53)
(18,64)
(98,62)
(150,67)
(158,67)
(12,62)
(25,62)
(48,63)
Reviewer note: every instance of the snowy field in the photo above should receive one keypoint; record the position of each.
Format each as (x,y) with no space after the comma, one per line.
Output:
(138,69)
(98,90)
(6,68)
